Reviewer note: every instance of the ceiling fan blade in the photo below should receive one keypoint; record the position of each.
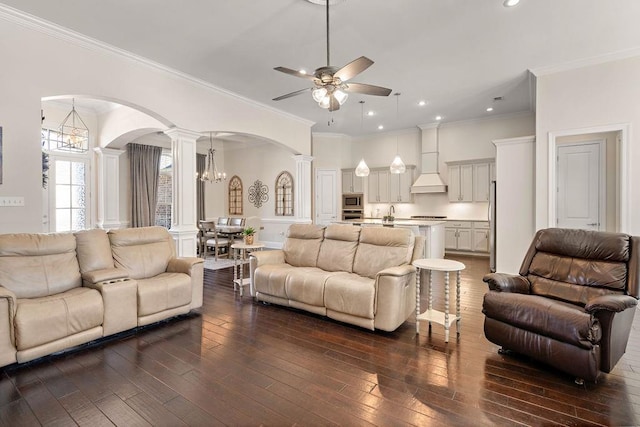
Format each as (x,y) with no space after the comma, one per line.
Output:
(294,73)
(333,104)
(367,89)
(353,68)
(289,95)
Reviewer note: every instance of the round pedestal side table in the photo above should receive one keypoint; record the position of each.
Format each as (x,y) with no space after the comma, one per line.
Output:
(430,315)
(239,259)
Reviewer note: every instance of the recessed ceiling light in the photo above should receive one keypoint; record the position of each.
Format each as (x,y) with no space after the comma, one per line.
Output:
(490,109)
(510,3)
(380,127)
(371,113)
(303,71)
(422,103)
(438,117)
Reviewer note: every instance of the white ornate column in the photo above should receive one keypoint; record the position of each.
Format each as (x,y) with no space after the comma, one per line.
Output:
(303,187)
(108,166)
(183,207)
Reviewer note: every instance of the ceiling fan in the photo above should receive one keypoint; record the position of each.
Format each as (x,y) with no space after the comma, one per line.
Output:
(330,84)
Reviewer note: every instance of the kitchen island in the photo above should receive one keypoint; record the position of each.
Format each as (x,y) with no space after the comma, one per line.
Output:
(432,231)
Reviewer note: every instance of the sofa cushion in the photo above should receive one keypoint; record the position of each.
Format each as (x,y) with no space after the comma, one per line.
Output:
(351,294)
(302,245)
(559,320)
(42,320)
(93,250)
(143,252)
(381,248)
(271,279)
(338,249)
(163,292)
(306,285)
(37,265)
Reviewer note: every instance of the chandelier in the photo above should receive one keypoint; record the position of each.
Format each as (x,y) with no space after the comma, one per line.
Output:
(211,173)
(73,132)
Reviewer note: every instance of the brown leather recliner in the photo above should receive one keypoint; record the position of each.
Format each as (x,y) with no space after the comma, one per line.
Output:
(573,303)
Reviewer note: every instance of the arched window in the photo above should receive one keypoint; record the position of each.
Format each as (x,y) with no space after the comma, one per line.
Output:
(235,196)
(284,194)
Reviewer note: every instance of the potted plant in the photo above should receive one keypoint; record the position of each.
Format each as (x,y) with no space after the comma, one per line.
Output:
(248,233)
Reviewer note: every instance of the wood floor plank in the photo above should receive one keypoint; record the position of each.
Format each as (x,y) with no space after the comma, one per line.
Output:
(239,362)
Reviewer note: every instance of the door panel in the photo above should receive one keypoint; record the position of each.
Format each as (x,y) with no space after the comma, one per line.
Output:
(579,189)
(326,196)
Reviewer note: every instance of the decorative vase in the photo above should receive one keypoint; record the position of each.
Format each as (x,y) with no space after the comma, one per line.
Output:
(248,240)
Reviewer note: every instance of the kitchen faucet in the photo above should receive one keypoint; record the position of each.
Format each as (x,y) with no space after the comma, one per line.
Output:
(392,209)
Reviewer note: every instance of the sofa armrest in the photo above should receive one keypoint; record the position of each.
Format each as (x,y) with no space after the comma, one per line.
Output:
(194,268)
(6,318)
(104,275)
(120,300)
(400,270)
(395,296)
(502,282)
(183,264)
(268,257)
(615,303)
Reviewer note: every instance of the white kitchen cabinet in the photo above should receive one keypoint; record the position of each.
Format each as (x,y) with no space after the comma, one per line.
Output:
(458,235)
(461,183)
(481,174)
(400,186)
(481,236)
(350,182)
(378,186)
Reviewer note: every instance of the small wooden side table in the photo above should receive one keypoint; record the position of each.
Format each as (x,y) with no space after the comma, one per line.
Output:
(240,249)
(430,315)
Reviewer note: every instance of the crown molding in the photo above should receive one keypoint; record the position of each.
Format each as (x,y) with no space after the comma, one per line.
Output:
(586,62)
(26,20)
(489,119)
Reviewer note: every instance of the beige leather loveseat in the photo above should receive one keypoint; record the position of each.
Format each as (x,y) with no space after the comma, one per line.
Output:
(357,275)
(60,290)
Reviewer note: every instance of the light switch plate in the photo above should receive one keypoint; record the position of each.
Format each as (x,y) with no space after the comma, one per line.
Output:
(11,201)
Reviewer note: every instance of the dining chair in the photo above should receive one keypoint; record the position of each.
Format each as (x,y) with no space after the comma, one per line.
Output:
(212,239)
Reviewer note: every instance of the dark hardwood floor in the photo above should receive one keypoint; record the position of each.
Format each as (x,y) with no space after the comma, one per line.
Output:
(244,363)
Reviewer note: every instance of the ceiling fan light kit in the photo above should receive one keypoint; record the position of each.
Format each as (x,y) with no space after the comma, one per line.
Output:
(331,85)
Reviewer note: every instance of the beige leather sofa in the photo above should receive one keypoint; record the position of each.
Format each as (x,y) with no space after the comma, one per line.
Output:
(357,275)
(61,290)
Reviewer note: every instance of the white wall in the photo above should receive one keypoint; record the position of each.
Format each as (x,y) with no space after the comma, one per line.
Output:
(103,74)
(594,96)
(264,162)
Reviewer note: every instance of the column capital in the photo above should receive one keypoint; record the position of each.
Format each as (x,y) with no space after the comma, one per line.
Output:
(108,151)
(303,158)
(176,132)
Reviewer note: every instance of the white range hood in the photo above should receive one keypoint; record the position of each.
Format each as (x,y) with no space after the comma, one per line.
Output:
(429,180)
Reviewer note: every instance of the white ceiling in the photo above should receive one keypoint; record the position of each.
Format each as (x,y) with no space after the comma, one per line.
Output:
(458,55)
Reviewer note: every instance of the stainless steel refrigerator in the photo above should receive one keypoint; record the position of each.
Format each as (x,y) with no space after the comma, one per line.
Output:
(492,226)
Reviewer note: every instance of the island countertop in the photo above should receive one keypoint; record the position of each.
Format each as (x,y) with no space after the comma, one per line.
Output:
(398,221)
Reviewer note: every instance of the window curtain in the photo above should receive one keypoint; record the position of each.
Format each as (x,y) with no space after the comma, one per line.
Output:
(144,164)
(201,164)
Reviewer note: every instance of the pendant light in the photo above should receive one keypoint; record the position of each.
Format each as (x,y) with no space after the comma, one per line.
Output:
(397,166)
(211,173)
(74,134)
(362,169)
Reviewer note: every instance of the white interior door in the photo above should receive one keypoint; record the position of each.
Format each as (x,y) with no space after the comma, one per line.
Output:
(580,189)
(326,196)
